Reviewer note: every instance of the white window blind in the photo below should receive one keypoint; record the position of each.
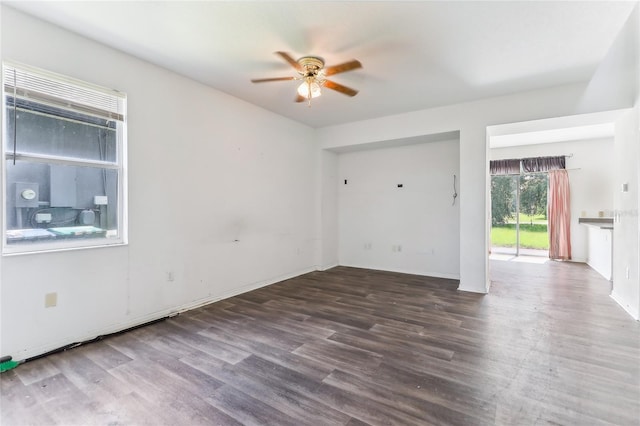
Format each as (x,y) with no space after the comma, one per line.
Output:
(63,92)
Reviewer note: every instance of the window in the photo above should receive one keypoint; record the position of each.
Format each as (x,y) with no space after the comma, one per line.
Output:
(64,151)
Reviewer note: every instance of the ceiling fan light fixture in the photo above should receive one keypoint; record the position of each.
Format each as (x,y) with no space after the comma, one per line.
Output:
(309,89)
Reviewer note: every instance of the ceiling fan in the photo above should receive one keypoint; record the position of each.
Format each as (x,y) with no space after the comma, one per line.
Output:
(312,73)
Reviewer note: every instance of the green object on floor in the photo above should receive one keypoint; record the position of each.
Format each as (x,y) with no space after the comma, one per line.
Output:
(8,365)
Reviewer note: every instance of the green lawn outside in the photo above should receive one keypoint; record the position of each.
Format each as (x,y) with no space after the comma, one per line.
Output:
(531,236)
(537,219)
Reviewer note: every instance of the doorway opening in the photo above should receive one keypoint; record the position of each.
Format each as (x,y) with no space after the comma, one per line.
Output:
(519,223)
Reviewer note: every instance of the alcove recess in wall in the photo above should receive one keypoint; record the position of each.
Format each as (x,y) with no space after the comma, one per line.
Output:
(395,209)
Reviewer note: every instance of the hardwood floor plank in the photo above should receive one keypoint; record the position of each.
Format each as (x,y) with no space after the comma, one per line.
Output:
(600,405)
(274,320)
(281,388)
(14,415)
(203,362)
(182,401)
(267,333)
(90,378)
(387,346)
(349,317)
(273,354)
(276,373)
(212,316)
(104,355)
(37,371)
(218,349)
(362,408)
(18,399)
(247,410)
(413,404)
(564,416)
(77,412)
(340,355)
(196,378)
(356,422)
(130,409)
(472,400)
(54,388)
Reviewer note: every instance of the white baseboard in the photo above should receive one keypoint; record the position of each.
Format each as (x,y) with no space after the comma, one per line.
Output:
(405,271)
(326,267)
(241,290)
(620,301)
(462,287)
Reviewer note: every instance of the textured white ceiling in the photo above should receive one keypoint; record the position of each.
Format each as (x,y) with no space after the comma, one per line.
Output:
(415,55)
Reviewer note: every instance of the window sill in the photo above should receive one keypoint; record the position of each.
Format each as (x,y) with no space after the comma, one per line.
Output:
(56,243)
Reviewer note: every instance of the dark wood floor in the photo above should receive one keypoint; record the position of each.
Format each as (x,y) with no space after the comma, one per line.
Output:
(353,347)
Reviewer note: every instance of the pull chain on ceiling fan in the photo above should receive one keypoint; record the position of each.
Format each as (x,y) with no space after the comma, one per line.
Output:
(312,73)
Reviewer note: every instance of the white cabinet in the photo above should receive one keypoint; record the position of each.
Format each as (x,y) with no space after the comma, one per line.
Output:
(600,247)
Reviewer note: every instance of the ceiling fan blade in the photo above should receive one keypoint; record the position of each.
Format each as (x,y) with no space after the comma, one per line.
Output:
(289,59)
(262,80)
(300,98)
(347,66)
(340,88)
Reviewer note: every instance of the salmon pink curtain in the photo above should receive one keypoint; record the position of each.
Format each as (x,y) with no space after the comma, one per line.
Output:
(559,215)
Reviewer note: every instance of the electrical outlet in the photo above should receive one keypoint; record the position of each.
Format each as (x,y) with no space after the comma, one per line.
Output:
(170,276)
(50,300)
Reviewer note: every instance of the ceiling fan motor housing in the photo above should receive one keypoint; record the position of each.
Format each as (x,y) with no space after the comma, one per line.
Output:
(310,65)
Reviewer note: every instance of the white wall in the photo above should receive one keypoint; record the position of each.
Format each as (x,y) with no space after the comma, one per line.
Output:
(591,179)
(615,83)
(205,169)
(414,229)
(328,209)
(626,242)
(637,121)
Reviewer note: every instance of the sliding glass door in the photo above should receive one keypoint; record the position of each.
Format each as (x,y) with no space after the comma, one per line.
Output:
(504,214)
(519,214)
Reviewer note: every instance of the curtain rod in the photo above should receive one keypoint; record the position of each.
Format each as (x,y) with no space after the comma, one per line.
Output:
(529,158)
